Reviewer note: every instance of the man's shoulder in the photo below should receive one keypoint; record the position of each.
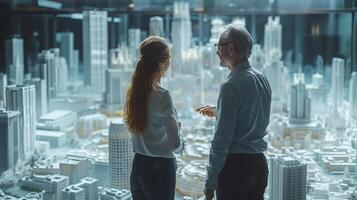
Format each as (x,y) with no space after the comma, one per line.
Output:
(258,72)
(229,87)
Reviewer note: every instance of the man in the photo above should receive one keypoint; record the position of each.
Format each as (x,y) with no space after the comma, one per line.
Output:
(237,167)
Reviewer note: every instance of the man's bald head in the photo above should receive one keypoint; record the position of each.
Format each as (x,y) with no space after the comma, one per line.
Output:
(240,38)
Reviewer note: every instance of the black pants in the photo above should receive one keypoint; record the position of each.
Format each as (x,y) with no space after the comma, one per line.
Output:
(243,177)
(153,178)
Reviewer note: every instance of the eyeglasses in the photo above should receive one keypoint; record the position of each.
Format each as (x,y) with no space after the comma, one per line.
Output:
(218,45)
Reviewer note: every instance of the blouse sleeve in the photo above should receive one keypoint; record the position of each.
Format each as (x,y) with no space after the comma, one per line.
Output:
(171,123)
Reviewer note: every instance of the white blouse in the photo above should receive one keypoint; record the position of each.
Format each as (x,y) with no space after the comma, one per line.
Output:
(162,136)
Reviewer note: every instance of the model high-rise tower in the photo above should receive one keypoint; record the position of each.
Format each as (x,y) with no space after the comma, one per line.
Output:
(53,69)
(95,48)
(300,105)
(9,126)
(22,98)
(239,22)
(41,95)
(216,30)
(120,155)
(287,179)
(14,60)
(3,85)
(337,90)
(157,26)
(181,33)
(353,95)
(274,73)
(273,39)
(66,45)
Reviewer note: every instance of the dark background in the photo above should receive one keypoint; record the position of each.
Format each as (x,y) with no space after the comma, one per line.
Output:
(335,21)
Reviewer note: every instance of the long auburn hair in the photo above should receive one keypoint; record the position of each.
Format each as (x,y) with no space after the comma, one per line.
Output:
(153,63)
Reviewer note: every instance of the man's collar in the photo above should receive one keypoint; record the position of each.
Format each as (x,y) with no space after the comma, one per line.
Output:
(240,67)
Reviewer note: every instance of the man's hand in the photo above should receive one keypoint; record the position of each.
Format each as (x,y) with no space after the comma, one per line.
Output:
(207,110)
(209,193)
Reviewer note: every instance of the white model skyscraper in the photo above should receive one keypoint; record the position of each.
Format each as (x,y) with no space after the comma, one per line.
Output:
(257,59)
(157,26)
(54,71)
(66,45)
(318,92)
(3,85)
(134,39)
(274,73)
(120,63)
(273,39)
(95,48)
(337,90)
(300,105)
(41,95)
(22,98)
(120,155)
(112,87)
(14,60)
(239,22)
(181,33)
(353,95)
(9,126)
(216,30)
(62,75)
(287,179)
(112,95)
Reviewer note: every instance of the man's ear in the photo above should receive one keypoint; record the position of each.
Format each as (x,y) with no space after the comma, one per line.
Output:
(231,49)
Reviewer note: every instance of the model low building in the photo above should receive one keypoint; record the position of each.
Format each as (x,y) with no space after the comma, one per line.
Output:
(56,139)
(32,196)
(320,191)
(45,168)
(53,187)
(73,192)
(3,196)
(75,169)
(196,151)
(335,159)
(73,104)
(191,178)
(115,194)
(33,182)
(58,119)
(43,146)
(90,186)
(299,136)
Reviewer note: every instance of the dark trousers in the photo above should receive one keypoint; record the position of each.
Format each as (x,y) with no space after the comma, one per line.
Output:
(153,178)
(243,177)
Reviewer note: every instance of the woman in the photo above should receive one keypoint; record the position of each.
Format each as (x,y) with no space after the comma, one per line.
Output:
(152,119)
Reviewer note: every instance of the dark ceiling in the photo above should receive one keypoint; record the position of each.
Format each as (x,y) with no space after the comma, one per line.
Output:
(166,5)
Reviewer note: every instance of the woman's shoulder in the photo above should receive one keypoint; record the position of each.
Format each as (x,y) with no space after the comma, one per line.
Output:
(160,95)
(160,91)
